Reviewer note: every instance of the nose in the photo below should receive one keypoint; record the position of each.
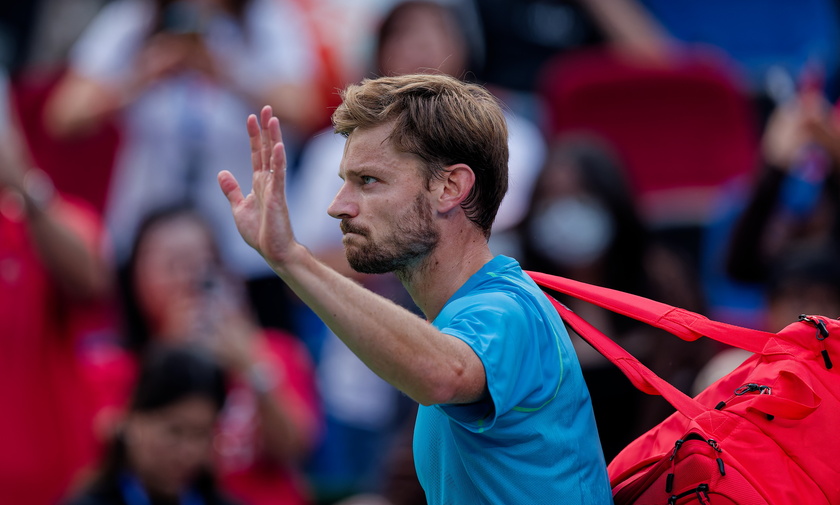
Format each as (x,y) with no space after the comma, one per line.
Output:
(343,205)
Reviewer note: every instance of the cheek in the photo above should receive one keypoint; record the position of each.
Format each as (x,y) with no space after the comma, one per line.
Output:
(147,453)
(162,285)
(154,293)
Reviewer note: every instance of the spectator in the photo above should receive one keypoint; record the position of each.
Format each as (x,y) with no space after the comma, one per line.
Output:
(797,196)
(162,453)
(178,75)
(176,290)
(51,272)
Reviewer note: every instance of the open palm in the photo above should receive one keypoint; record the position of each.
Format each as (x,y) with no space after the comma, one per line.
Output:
(262,217)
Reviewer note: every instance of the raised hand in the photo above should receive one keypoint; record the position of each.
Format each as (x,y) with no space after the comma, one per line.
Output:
(262,217)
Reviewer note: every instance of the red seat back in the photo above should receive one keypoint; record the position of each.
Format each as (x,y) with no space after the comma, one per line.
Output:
(681,129)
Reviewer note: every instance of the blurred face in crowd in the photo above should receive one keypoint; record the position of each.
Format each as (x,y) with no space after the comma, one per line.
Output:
(383,205)
(173,259)
(168,446)
(570,224)
(422,38)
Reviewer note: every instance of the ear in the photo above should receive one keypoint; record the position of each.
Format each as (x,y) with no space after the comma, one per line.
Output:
(454,187)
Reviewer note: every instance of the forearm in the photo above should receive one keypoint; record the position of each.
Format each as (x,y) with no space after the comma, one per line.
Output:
(79,105)
(403,349)
(78,270)
(72,261)
(628,25)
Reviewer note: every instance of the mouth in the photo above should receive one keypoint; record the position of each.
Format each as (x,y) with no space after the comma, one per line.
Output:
(349,229)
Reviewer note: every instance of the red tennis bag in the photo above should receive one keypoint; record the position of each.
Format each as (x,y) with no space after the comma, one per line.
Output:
(767,433)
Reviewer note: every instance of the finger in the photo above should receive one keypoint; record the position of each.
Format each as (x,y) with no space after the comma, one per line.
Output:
(256,143)
(274,132)
(230,188)
(265,118)
(278,163)
(265,115)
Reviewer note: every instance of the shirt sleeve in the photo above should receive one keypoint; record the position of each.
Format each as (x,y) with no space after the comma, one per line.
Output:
(502,332)
(106,50)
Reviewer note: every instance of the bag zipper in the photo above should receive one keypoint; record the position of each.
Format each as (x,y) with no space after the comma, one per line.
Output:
(822,334)
(751,387)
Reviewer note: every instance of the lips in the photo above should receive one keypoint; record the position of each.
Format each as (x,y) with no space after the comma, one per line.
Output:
(346,228)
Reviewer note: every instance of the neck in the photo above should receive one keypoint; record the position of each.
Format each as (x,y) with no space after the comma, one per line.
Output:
(437,277)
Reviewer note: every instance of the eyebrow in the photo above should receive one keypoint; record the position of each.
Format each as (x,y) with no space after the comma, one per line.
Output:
(358,172)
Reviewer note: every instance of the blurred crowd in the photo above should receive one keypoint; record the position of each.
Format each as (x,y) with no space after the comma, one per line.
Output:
(684,151)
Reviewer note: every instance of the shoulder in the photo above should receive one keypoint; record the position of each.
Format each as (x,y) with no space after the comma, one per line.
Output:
(109,43)
(121,16)
(502,282)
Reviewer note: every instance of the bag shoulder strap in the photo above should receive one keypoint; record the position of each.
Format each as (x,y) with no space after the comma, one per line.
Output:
(642,377)
(680,322)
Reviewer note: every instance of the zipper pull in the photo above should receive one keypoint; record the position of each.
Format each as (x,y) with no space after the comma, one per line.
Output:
(750,388)
(669,479)
(822,334)
(713,443)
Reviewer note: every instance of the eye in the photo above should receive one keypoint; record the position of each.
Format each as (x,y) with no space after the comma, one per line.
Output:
(366,179)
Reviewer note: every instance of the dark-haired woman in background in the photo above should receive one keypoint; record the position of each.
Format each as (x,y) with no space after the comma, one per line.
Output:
(162,452)
(176,291)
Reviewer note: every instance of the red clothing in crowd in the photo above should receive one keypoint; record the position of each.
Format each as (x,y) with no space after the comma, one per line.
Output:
(45,426)
(245,471)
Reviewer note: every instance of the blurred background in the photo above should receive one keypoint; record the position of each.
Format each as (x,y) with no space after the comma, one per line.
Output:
(685,151)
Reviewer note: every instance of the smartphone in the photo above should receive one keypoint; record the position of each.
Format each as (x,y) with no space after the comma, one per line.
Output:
(183,17)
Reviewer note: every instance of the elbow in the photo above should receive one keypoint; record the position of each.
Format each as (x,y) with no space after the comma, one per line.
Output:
(459,385)
(434,396)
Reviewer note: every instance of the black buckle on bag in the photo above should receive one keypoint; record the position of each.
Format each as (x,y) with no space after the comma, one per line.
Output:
(822,330)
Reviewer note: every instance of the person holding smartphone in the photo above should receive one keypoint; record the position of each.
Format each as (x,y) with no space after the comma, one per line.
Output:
(176,291)
(175,76)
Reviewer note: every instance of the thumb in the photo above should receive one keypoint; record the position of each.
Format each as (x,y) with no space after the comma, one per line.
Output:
(230,188)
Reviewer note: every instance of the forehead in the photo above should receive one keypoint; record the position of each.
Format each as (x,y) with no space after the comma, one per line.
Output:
(370,149)
(180,232)
(193,410)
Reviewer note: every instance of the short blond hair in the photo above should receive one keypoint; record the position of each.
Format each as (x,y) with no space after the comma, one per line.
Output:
(442,120)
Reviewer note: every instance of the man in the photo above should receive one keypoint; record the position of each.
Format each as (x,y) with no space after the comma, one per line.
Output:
(505,415)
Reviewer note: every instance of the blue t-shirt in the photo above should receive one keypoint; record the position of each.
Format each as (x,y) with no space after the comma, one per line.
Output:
(533,440)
